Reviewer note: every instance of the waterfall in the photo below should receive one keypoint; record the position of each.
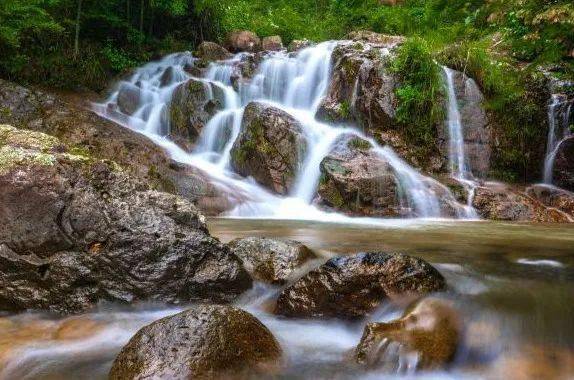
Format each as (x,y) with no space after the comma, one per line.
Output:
(559,111)
(294,83)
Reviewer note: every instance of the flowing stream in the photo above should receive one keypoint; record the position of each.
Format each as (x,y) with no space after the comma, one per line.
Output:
(295,83)
(559,112)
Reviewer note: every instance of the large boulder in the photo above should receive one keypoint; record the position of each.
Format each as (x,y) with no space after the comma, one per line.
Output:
(429,330)
(475,127)
(497,201)
(243,41)
(563,170)
(129,98)
(210,51)
(269,260)
(357,181)
(551,196)
(205,342)
(272,43)
(89,232)
(74,124)
(353,286)
(270,147)
(192,105)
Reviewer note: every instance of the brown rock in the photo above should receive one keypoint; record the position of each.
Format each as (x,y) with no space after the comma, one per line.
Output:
(243,40)
(269,260)
(272,43)
(297,45)
(563,170)
(353,286)
(270,147)
(210,51)
(205,342)
(551,196)
(429,329)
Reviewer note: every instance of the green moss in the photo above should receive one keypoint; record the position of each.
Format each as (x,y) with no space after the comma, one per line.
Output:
(358,143)
(344,110)
(27,139)
(11,157)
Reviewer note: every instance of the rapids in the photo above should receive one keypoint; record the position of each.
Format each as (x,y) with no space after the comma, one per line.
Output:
(295,83)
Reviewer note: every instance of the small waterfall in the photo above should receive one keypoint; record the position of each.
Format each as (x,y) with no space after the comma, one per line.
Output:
(294,83)
(559,112)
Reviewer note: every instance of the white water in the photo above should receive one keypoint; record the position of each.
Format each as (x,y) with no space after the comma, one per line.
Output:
(459,167)
(295,84)
(559,111)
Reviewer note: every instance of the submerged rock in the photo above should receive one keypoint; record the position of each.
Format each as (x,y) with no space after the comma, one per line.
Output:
(243,41)
(429,330)
(500,202)
(272,43)
(270,147)
(205,342)
(357,181)
(89,232)
(210,51)
(563,170)
(269,260)
(353,286)
(193,104)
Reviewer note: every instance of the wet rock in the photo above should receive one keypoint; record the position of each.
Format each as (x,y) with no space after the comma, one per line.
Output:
(386,40)
(99,138)
(89,232)
(534,362)
(129,97)
(357,181)
(210,51)
(243,41)
(272,43)
(297,45)
(353,286)
(269,260)
(270,147)
(563,170)
(476,134)
(429,330)
(205,342)
(500,202)
(193,104)
(551,196)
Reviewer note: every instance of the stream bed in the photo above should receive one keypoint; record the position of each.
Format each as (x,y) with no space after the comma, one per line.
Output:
(513,285)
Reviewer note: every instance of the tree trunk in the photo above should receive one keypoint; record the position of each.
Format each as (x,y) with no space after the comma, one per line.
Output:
(150,30)
(128,12)
(77,36)
(141,16)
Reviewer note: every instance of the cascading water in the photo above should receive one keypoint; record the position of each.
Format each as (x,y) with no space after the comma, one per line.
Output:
(294,83)
(559,112)
(459,167)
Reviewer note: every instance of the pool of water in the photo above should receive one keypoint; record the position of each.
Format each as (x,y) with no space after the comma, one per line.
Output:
(513,285)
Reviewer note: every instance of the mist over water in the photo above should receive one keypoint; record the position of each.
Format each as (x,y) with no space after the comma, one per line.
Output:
(293,82)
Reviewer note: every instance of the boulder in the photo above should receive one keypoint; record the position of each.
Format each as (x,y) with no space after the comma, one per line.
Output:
(475,127)
(357,181)
(243,41)
(563,170)
(270,147)
(429,330)
(496,201)
(76,125)
(386,40)
(272,43)
(89,232)
(297,45)
(210,51)
(554,197)
(192,105)
(269,260)
(353,286)
(205,342)
(129,97)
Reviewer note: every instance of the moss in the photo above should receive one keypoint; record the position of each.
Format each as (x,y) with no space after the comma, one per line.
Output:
(345,109)
(11,157)
(27,139)
(359,143)
(330,193)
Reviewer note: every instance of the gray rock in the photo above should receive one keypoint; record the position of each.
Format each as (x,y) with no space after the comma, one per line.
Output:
(210,51)
(129,98)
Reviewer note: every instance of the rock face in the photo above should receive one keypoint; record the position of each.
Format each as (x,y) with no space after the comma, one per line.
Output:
(476,134)
(243,40)
(297,45)
(271,261)
(357,181)
(205,342)
(129,97)
(210,51)
(272,43)
(353,286)
(270,147)
(551,196)
(193,104)
(499,202)
(73,124)
(89,232)
(429,329)
(563,171)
